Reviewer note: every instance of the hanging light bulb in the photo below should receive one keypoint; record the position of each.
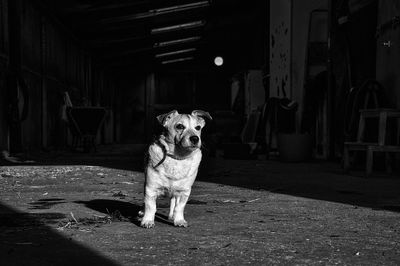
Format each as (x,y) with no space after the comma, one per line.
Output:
(218,61)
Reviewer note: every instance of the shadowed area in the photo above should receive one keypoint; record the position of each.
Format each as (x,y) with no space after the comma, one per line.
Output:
(26,239)
(254,212)
(126,209)
(309,180)
(46,203)
(315,180)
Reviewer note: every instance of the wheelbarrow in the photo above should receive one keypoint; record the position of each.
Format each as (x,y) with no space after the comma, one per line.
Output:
(84,123)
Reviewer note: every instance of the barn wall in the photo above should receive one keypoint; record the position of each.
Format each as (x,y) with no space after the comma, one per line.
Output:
(301,16)
(31,29)
(142,96)
(52,62)
(280,47)
(130,108)
(388,51)
(3,69)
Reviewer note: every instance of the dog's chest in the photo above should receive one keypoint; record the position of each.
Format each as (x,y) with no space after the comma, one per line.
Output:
(179,169)
(171,168)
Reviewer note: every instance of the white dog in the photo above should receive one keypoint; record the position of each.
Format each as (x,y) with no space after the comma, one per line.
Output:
(172,164)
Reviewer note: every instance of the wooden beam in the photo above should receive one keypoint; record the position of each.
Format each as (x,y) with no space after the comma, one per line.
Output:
(132,40)
(100,8)
(150,89)
(156,12)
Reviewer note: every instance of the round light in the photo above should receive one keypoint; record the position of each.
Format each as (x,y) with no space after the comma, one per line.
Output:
(218,61)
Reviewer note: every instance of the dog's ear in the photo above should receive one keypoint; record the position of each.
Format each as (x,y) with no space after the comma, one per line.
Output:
(164,118)
(201,113)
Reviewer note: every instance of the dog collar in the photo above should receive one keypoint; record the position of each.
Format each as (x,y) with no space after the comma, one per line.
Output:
(166,153)
(173,156)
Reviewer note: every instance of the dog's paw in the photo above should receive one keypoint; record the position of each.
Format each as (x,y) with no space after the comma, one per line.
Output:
(181,223)
(147,224)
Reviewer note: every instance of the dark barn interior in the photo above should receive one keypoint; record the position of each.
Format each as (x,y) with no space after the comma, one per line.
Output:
(117,55)
(303,145)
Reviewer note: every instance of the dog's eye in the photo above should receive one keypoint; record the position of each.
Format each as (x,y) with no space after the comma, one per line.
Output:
(197,128)
(180,127)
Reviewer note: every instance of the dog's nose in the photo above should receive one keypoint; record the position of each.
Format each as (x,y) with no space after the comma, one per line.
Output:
(194,139)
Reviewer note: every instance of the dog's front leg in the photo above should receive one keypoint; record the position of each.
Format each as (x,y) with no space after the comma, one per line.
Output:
(172,208)
(150,208)
(180,203)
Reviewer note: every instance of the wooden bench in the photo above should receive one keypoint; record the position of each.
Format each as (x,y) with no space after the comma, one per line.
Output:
(383,114)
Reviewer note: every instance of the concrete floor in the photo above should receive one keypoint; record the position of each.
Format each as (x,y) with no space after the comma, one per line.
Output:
(81,210)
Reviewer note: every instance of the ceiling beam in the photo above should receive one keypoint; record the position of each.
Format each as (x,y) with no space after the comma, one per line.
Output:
(176,41)
(178,8)
(175,31)
(175,52)
(146,49)
(177,60)
(176,27)
(155,12)
(91,9)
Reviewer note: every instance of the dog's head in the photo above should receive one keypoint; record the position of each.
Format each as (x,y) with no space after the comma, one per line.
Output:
(184,130)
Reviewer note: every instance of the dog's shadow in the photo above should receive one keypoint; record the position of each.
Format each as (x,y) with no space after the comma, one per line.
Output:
(125,209)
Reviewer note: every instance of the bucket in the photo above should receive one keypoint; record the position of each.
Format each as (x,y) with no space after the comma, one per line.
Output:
(294,147)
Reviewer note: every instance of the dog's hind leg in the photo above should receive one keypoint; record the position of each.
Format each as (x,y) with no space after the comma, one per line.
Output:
(172,208)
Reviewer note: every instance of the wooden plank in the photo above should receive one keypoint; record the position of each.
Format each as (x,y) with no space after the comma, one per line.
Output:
(149,104)
(3,28)
(4,130)
(55,52)
(31,37)
(3,70)
(56,128)
(280,52)
(95,9)
(31,127)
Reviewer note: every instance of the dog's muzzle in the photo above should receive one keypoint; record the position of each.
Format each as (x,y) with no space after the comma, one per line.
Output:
(194,140)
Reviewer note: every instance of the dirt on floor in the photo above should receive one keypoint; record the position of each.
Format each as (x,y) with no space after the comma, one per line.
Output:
(241,212)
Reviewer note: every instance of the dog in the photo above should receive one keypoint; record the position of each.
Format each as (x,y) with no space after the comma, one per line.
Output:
(172,164)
